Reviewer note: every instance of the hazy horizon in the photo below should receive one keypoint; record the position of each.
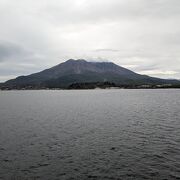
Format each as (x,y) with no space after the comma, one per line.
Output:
(140,35)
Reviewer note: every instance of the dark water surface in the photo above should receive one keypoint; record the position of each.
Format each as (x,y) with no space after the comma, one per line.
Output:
(90,134)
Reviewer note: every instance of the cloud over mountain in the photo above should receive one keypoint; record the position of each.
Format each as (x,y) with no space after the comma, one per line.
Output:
(37,34)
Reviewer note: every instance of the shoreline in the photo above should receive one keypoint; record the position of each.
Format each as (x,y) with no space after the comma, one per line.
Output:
(56,89)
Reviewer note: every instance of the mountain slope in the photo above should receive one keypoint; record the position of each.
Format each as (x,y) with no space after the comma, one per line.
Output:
(81,71)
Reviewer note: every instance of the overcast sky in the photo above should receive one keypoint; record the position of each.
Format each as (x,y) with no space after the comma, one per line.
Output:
(142,35)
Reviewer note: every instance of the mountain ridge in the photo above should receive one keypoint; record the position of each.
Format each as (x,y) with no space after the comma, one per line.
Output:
(73,71)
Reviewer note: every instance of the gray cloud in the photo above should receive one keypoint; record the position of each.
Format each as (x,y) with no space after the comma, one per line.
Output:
(142,35)
(104,10)
(9,50)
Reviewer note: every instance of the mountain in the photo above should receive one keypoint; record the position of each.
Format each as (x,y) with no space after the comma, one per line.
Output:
(81,71)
